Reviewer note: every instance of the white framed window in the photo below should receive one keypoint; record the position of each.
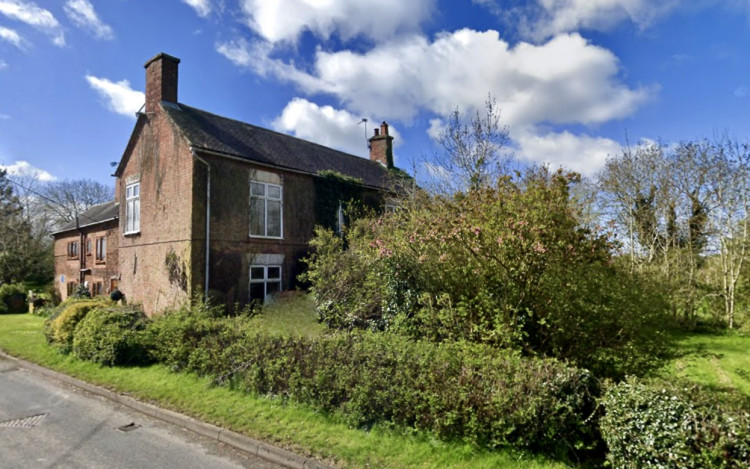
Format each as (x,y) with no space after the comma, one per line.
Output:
(266,207)
(133,208)
(265,280)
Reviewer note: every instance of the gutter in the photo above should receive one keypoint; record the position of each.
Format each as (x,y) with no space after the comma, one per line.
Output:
(208,216)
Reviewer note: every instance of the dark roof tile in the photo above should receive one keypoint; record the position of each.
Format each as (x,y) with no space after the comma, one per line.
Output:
(93,215)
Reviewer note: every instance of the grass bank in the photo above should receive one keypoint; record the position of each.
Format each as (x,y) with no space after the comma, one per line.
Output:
(720,361)
(295,427)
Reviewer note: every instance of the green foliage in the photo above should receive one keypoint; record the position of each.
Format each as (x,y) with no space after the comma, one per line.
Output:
(456,390)
(112,336)
(12,299)
(509,266)
(59,328)
(662,425)
(81,292)
(332,190)
(179,335)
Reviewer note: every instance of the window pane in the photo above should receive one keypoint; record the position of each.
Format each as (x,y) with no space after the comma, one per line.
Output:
(274,273)
(104,247)
(136,190)
(258,291)
(257,217)
(274,192)
(128,192)
(257,189)
(136,215)
(274,218)
(273,287)
(257,273)
(129,216)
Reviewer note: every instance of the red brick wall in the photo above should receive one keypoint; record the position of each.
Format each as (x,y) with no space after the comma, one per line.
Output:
(161,161)
(94,271)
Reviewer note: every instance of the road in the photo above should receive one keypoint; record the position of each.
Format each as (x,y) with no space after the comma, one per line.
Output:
(47,424)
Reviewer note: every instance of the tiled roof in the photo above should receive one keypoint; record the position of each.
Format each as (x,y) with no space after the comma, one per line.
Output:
(94,215)
(210,132)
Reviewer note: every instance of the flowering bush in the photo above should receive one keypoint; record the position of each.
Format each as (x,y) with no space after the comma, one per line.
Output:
(510,266)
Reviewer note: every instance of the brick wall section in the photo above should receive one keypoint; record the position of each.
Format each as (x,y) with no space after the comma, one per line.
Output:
(161,161)
(232,249)
(95,271)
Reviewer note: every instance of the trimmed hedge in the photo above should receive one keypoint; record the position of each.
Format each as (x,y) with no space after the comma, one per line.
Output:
(460,390)
(13,299)
(59,327)
(112,336)
(661,425)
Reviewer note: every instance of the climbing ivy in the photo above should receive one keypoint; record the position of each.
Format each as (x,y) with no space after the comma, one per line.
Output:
(333,189)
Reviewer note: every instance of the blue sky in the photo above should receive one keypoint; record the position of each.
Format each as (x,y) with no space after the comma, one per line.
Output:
(575,79)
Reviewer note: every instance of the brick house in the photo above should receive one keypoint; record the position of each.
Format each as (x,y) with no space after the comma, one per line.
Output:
(86,251)
(211,204)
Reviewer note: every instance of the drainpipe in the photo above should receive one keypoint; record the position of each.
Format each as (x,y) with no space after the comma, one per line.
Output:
(208,215)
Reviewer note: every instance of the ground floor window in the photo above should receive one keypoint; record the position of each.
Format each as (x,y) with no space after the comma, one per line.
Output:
(96,288)
(265,280)
(71,288)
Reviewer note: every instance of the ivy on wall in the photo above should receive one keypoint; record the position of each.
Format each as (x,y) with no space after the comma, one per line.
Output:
(333,189)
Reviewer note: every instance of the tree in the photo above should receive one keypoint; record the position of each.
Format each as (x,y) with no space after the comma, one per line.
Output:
(23,253)
(63,201)
(471,153)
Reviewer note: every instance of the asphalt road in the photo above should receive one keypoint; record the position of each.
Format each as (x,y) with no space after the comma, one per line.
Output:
(47,424)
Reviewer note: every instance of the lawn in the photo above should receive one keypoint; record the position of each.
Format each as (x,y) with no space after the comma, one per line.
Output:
(717,360)
(295,427)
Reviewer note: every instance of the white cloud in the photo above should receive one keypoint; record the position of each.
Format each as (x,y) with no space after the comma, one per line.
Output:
(566,80)
(24,168)
(581,153)
(561,16)
(11,36)
(119,96)
(3,64)
(202,7)
(39,18)
(81,12)
(328,126)
(286,20)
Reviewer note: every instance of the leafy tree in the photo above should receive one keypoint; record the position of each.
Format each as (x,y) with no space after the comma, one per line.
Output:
(24,254)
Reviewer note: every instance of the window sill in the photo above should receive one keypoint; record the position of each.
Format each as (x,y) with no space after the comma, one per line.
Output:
(279,238)
(132,233)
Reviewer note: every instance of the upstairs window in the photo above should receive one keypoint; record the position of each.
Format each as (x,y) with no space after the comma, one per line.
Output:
(88,247)
(133,208)
(73,250)
(101,249)
(266,219)
(265,280)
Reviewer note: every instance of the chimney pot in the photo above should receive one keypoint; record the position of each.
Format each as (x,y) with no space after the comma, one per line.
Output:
(161,80)
(384,128)
(377,132)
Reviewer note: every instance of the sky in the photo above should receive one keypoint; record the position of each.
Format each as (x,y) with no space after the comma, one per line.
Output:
(576,80)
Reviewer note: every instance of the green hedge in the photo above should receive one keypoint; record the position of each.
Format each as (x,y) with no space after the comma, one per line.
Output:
(112,336)
(662,425)
(13,299)
(60,326)
(464,391)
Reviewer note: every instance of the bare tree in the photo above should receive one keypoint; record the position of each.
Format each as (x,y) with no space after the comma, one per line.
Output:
(63,201)
(471,153)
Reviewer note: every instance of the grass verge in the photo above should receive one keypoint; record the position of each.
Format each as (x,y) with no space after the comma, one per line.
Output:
(717,360)
(292,426)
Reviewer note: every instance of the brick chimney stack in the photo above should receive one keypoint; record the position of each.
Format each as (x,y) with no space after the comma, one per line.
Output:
(381,146)
(161,80)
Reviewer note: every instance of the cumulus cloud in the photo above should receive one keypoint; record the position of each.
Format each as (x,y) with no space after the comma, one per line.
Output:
(3,64)
(327,126)
(82,14)
(24,169)
(565,80)
(9,35)
(286,20)
(118,96)
(202,7)
(31,14)
(581,153)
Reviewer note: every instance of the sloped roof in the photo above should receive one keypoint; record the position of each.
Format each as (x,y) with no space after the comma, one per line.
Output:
(206,131)
(94,215)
